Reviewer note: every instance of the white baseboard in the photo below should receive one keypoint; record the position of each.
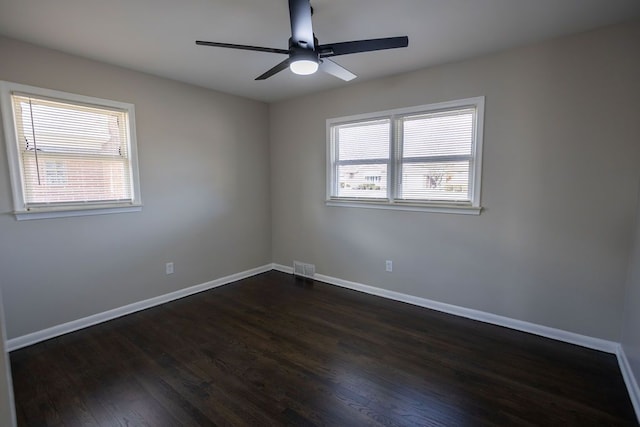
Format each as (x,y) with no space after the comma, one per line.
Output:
(520,325)
(282,268)
(629,380)
(545,331)
(74,325)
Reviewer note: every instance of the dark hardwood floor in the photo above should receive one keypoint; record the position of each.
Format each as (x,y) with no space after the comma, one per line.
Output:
(276,350)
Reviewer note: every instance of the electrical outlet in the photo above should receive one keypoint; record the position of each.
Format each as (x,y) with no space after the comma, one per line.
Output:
(389,265)
(168,268)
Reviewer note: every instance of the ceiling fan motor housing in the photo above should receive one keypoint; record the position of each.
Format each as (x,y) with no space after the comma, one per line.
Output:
(300,52)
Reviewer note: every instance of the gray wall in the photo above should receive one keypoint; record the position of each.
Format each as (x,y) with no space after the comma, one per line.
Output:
(631,320)
(559,189)
(559,186)
(204,174)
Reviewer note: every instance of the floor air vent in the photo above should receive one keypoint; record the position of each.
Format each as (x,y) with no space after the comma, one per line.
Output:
(303,269)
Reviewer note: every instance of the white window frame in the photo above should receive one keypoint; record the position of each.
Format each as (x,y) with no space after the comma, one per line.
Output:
(15,169)
(471,207)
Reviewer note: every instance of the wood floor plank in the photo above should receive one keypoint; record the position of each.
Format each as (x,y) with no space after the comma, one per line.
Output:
(276,350)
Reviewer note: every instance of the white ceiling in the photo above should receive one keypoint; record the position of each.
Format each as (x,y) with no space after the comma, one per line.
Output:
(157,36)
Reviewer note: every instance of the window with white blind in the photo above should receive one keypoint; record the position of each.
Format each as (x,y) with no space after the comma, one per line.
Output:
(420,158)
(69,154)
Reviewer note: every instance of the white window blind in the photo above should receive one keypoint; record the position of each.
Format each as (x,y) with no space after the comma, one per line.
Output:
(69,152)
(417,158)
(362,159)
(437,150)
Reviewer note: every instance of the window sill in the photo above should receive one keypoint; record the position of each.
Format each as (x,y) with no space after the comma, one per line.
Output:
(45,213)
(404,206)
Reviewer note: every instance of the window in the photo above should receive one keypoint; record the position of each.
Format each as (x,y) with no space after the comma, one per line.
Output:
(420,158)
(69,154)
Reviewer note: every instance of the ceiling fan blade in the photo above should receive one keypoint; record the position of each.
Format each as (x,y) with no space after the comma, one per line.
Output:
(330,67)
(301,26)
(243,47)
(357,46)
(281,66)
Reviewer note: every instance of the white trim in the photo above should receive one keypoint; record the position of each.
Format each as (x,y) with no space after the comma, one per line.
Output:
(519,325)
(629,380)
(61,213)
(282,268)
(482,316)
(477,152)
(471,207)
(15,167)
(8,122)
(450,209)
(74,325)
(446,105)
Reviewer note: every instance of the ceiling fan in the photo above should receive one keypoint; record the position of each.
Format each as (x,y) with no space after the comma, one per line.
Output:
(306,55)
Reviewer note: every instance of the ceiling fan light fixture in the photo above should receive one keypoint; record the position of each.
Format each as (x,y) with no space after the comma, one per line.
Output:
(303,61)
(304,52)
(303,67)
